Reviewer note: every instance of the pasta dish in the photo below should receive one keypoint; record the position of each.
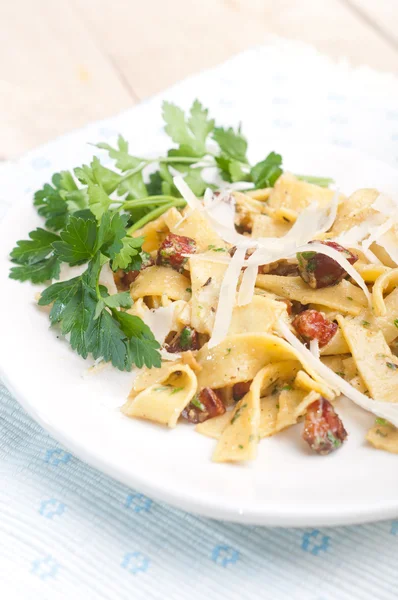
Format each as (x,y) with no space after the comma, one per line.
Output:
(248,306)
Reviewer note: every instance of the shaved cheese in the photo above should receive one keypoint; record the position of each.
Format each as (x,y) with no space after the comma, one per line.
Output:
(385,410)
(226,300)
(314,348)
(187,193)
(246,291)
(375,233)
(352,237)
(385,205)
(390,245)
(312,221)
(221,208)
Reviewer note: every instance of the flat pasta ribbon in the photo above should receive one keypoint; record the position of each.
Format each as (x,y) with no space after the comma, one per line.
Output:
(240,357)
(344,297)
(161,395)
(155,281)
(382,283)
(373,358)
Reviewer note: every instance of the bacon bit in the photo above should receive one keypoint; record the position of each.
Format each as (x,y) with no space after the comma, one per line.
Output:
(321,271)
(171,251)
(297,307)
(187,339)
(283,267)
(313,325)
(240,389)
(124,279)
(323,430)
(207,404)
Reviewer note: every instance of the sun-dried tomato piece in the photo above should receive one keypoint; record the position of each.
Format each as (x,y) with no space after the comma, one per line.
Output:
(240,389)
(313,325)
(187,339)
(323,431)
(207,404)
(124,279)
(320,271)
(172,250)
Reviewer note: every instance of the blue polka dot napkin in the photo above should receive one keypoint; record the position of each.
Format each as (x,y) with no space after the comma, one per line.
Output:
(68,531)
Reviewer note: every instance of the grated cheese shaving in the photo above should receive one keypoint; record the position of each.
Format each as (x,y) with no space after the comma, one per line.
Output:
(226,299)
(384,410)
(314,348)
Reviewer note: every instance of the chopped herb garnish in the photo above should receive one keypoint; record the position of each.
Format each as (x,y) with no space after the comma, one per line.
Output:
(240,447)
(229,351)
(365,324)
(287,388)
(176,390)
(349,298)
(392,366)
(340,373)
(380,433)
(196,402)
(238,413)
(335,441)
(382,422)
(189,290)
(396,323)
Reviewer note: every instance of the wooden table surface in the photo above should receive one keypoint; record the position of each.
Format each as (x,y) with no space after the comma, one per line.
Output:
(64,63)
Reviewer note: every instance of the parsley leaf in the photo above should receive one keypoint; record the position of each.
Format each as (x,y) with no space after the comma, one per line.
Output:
(94,324)
(37,273)
(35,257)
(154,186)
(266,172)
(98,174)
(142,347)
(55,202)
(191,134)
(128,254)
(133,186)
(124,160)
(82,238)
(237,172)
(232,143)
(122,299)
(78,241)
(98,200)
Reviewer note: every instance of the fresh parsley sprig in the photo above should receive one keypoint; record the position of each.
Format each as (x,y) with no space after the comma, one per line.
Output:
(85,310)
(90,214)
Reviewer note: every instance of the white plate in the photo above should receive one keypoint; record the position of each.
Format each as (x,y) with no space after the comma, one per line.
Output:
(286,485)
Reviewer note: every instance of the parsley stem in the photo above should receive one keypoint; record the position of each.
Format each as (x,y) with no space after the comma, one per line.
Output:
(147,201)
(321,181)
(140,167)
(154,214)
(166,159)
